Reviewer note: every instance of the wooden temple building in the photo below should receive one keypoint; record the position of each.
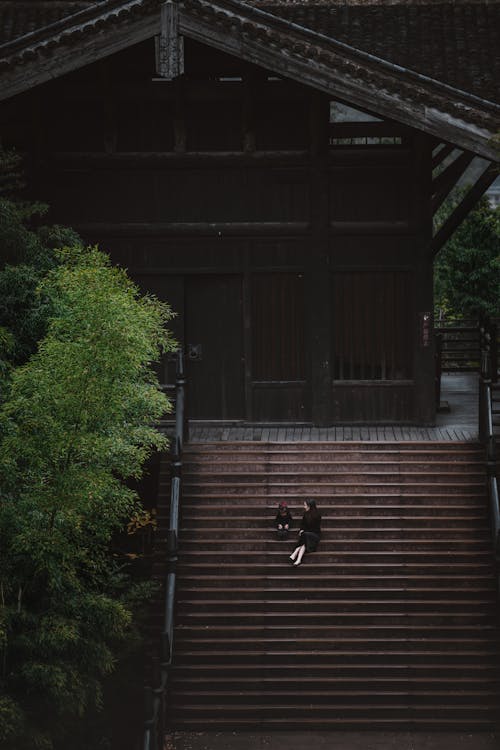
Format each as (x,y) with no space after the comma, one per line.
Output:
(270,168)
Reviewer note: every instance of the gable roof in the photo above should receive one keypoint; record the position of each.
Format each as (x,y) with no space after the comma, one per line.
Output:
(428,64)
(455,42)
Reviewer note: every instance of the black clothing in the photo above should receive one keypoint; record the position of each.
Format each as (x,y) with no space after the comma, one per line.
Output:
(286,519)
(283,519)
(311,522)
(311,531)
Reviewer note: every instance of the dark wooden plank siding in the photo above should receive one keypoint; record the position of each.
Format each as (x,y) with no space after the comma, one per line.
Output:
(275,403)
(205,194)
(369,194)
(213,328)
(278,346)
(372,333)
(278,327)
(367,403)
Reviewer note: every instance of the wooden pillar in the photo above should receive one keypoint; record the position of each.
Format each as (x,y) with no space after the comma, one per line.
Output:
(424,345)
(109,105)
(248,134)
(180,130)
(318,303)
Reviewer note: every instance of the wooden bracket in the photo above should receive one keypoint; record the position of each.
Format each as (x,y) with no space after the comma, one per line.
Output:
(466,204)
(446,181)
(169,43)
(442,154)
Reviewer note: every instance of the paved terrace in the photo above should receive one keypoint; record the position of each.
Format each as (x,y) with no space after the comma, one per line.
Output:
(458,422)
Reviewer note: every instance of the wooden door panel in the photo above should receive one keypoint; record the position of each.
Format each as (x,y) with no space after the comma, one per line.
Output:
(278,347)
(372,333)
(214,347)
(373,342)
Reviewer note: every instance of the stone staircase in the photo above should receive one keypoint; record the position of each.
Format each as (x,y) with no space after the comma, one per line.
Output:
(391,624)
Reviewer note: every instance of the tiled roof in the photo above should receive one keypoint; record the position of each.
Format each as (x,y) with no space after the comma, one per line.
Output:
(455,42)
(21,17)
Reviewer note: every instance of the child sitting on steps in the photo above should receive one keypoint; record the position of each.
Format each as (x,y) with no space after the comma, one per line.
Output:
(283,520)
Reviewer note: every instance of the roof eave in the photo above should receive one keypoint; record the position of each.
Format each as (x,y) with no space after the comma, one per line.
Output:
(275,44)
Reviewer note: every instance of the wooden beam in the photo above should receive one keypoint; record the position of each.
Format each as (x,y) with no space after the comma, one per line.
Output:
(249,137)
(464,207)
(195,229)
(169,43)
(191,159)
(180,129)
(362,228)
(446,181)
(442,154)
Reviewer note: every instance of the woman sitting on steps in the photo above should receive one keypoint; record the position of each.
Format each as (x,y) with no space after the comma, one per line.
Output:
(310,532)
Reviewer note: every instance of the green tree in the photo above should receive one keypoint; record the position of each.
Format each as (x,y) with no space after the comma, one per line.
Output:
(78,421)
(24,308)
(27,254)
(467,270)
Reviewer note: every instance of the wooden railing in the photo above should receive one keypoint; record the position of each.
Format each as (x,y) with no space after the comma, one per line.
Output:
(487,432)
(156,695)
(459,345)
(458,348)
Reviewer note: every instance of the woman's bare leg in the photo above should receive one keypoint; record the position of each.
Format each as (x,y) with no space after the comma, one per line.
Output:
(294,554)
(300,555)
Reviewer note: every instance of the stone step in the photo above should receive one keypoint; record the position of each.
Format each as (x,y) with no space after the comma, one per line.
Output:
(262,506)
(318,488)
(404,721)
(351,643)
(270,499)
(383,610)
(352,447)
(259,480)
(380,695)
(396,705)
(420,559)
(401,544)
(393,622)
(485,672)
(413,612)
(362,526)
(317,465)
(336,567)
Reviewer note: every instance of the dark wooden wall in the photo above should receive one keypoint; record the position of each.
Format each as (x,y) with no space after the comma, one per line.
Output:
(294,250)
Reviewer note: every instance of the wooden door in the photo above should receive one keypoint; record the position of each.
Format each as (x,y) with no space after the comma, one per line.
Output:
(373,343)
(213,340)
